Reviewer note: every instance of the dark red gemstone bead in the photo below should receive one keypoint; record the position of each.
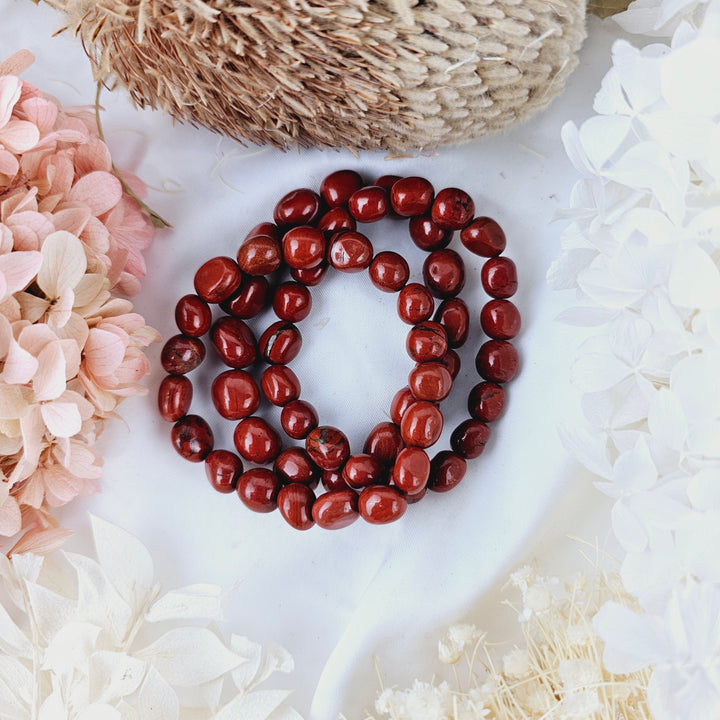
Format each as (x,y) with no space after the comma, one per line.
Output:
(234,341)
(298,207)
(304,247)
(412,196)
(182,354)
(350,252)
(298,418)
(295,465)
(497,361)
(387,181)
(310,276)
(430,381)
(265,228)
(337,187)
(421,424)
(454,316)
(451,360)
(333,480)
(402,400)
(295,502)
(258,489)
(335,510)
(416,497)
(411,470)
(260,255)
(444,273)
(447,469)
(256,440)
(250,298)
(192,438)
(369,204)
(362,470)
(379,505)
(337,219)
(174,397)
(280,343)
(486,401)
(223,468)
(384,442)
(235,394)
(328,447)
(484,237)
(292,301)
(217,279)
(426,341)
(193,316)
(452,209)
(469,438)
(415,304)
(280,385)
(500,319)
(499,277)
(389,271)
(427,235)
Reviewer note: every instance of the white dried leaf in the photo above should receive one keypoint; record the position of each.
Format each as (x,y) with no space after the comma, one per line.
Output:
(258,705)
(98,711)
(694,279)
(687,90)
(12,639)
(114,675)
(50,610)
(193,601)
(53,707)
(70,648)
(156,699)
(16,688)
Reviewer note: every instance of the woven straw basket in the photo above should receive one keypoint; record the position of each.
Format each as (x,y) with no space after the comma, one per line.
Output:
(401,75)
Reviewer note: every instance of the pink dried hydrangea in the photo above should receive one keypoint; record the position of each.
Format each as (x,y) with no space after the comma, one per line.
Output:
(70,349)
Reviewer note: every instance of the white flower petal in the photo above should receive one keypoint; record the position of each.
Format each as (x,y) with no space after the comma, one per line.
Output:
(628,529)
(113,675)
(694,279)
(62,419)
(156,699)
(666,419)
(49,382)
(687,89)
(63,263)
(19,269)
(192,601)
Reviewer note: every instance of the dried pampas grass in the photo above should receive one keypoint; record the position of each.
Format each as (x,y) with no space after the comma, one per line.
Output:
(393,74)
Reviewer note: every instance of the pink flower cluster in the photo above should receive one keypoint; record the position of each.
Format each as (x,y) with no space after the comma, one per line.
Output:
(70,349)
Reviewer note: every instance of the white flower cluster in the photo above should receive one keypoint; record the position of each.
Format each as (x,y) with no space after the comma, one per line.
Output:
(643,254)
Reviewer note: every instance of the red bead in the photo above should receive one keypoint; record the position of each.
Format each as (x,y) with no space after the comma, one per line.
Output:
(384,442)
(400,403)
(453,209)
(454,316)
(335,510)
(280,385)
(337,187)
(451,360)
(469,438)
(444,273)
(193,316)
(298,418)
(295,502)
(234,341)
(412,196)
(350,252)
(280,343)
(426,341)
(484,237)
(362,470)
(304,247)
(387,181)
(369,204)
(499,277)
(260,255)
(427,235)
(416,497)
(430,381)
(497,361)
(380,505)
(500,319)
(258,488)
(411,470)
(389,271)
(256,440)
(181,354)
(249,299)
(333,480)
(298,207)
(295,465)
(292,301)
(328,447)
(421,424)
(223,468)
(192,438)
(217,279)
(265,228)
(447,469)
(310,276)
(174,397)
(336,219)
(235,394)
(415,304)
(486,401)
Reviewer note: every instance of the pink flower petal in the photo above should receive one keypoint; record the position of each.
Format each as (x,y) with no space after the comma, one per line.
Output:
(104,352)
(34,338)
(9,94)
(32,428)
(19,136)
(8,163)
(40,112)
(6,335)
(19,269)
(41,542)
(29,229)
(100,191)
(17,63)
(72,219)
(10,517)
(93,155)
(71,351)
(20,365)
(63,264)
(49,381)
(61,419)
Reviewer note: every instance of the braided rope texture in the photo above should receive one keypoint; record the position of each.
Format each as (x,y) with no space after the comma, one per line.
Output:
(398,75)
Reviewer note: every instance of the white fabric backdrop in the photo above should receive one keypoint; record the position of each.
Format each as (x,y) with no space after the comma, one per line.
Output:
(335,600)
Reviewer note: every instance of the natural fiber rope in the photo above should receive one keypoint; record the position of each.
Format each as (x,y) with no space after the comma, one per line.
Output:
(393,74)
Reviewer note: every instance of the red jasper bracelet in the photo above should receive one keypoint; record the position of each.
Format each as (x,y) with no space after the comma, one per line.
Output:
(312,232)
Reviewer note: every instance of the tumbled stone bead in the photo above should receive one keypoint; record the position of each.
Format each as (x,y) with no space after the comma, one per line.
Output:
(193,316)
(298,207)
(335,510)
(258,489)
(469,438)
(249,299)
(486,401)
(174,397)
(411,470)
(430,381)
(280,385)
(447,469)
(500,319)
(444,273)
(379,504)
(452,209)
(384,442)
(217,279)
(497,361)
(412,196)
(453,314)
(415,304)
(350,252)
(369,204)
(260,255)
(389,271)
(182,354)
(337,187)
(499,277)
(294,465)
(304,247)
(280,343)
(427,235)
(223,468)
(363,470)
(292,301)
(484,237)
(421,424)
(256,440)
(298,418)
(192,438)
(235,394)
(234,342)
(328,447)
(295,502)
(426,341)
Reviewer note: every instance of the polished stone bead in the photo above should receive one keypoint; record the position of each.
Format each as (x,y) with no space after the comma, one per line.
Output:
(304,247)
(249,299)
(430,381)
(415,304)
(294,465)
(497,361)
(310,276)
(389,271)
(280,385)
(333,480)
(298,418)
(235,394)
(484,237)
(426,341)
(468,439)
(223,468)
(421,424)
(234,341)
(451,360)
(387,181)
(454,316)
(298,207)
(499,277)
(384,442)
(265,228)
(174,397)
(500,319)
(411,470)
(256,440)
(362,470)
(295,502)
(336,510)
(192,438)
(416,497)
(328,447)
(193,316)
(280,343)
(379,505)
(182,354)
(427,235)
(369,204)
(337,219)
(260,255)
(412,196)
(401,401)
(444,273)
(350,252)
(486,401)
(292,301)
(217,279)
(447,469)
(452,209)
(337,187)
(258,489)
